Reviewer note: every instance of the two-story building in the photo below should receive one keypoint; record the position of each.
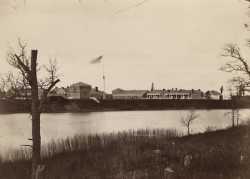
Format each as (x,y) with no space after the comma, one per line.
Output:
(79,90)
(175,94)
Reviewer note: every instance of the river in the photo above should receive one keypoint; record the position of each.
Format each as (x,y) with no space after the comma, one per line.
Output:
(16,128)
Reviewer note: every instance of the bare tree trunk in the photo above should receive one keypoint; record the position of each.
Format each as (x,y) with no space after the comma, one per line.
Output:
(188,129)
(29,72)
(237,117)
(36,137)
(233,116)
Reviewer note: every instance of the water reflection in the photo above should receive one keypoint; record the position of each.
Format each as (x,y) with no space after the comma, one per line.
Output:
(16,128)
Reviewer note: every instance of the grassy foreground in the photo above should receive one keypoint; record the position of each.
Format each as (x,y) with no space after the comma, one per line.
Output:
(140,155)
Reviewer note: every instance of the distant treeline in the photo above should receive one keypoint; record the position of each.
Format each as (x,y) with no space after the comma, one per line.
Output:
(63,105)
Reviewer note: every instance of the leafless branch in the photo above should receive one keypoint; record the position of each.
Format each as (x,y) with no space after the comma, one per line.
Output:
(46,92)
(240,84)
(52,70)
(130,7)
(239,64)
(20,60)
(10,85)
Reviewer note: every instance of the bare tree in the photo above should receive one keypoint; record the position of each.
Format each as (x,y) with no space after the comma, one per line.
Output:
(239,65)
(237,116)
(3,86)
(234,116)
(52,70)
(52,78)
(11,85)
(27,66)
(239,84)
(238,62)
(189,119)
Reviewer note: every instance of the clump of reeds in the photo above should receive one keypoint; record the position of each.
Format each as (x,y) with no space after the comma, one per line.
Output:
(89,142)
(141,154)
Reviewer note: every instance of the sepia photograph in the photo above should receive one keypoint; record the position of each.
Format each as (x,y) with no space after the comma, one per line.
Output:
(124,89)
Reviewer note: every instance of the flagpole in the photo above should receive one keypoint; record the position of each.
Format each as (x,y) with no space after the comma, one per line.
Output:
(103,77)
(100,60)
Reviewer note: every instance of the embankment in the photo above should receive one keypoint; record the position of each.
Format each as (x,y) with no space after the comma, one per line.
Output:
(63,105)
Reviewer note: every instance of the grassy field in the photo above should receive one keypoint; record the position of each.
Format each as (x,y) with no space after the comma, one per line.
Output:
(141,154)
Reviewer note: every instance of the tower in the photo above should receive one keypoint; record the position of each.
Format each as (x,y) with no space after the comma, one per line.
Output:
(152,87)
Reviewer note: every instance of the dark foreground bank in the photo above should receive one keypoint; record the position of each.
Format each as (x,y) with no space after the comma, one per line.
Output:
(222,154)
(57,104)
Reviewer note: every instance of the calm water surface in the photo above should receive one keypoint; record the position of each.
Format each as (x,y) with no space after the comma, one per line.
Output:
(16,128)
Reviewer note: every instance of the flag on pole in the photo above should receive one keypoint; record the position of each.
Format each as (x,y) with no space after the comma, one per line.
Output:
(96,60)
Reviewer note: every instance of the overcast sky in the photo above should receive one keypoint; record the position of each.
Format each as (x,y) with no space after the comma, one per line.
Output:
(175,44)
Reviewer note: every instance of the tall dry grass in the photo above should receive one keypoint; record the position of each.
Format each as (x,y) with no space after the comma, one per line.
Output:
(140,154)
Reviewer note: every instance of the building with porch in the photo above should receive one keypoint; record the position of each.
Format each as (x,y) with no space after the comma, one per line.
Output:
(175,94)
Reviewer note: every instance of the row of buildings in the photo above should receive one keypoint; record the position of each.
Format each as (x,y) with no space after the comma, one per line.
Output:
(165,94)
(82,90)
(78,90)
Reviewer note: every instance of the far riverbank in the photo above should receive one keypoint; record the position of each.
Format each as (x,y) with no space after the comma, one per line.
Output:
(57,105)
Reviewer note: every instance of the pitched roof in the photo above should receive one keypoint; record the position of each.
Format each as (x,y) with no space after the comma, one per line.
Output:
(81,84)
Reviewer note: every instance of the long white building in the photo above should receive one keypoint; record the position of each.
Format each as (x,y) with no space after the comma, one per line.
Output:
(175,94)
(158,94)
